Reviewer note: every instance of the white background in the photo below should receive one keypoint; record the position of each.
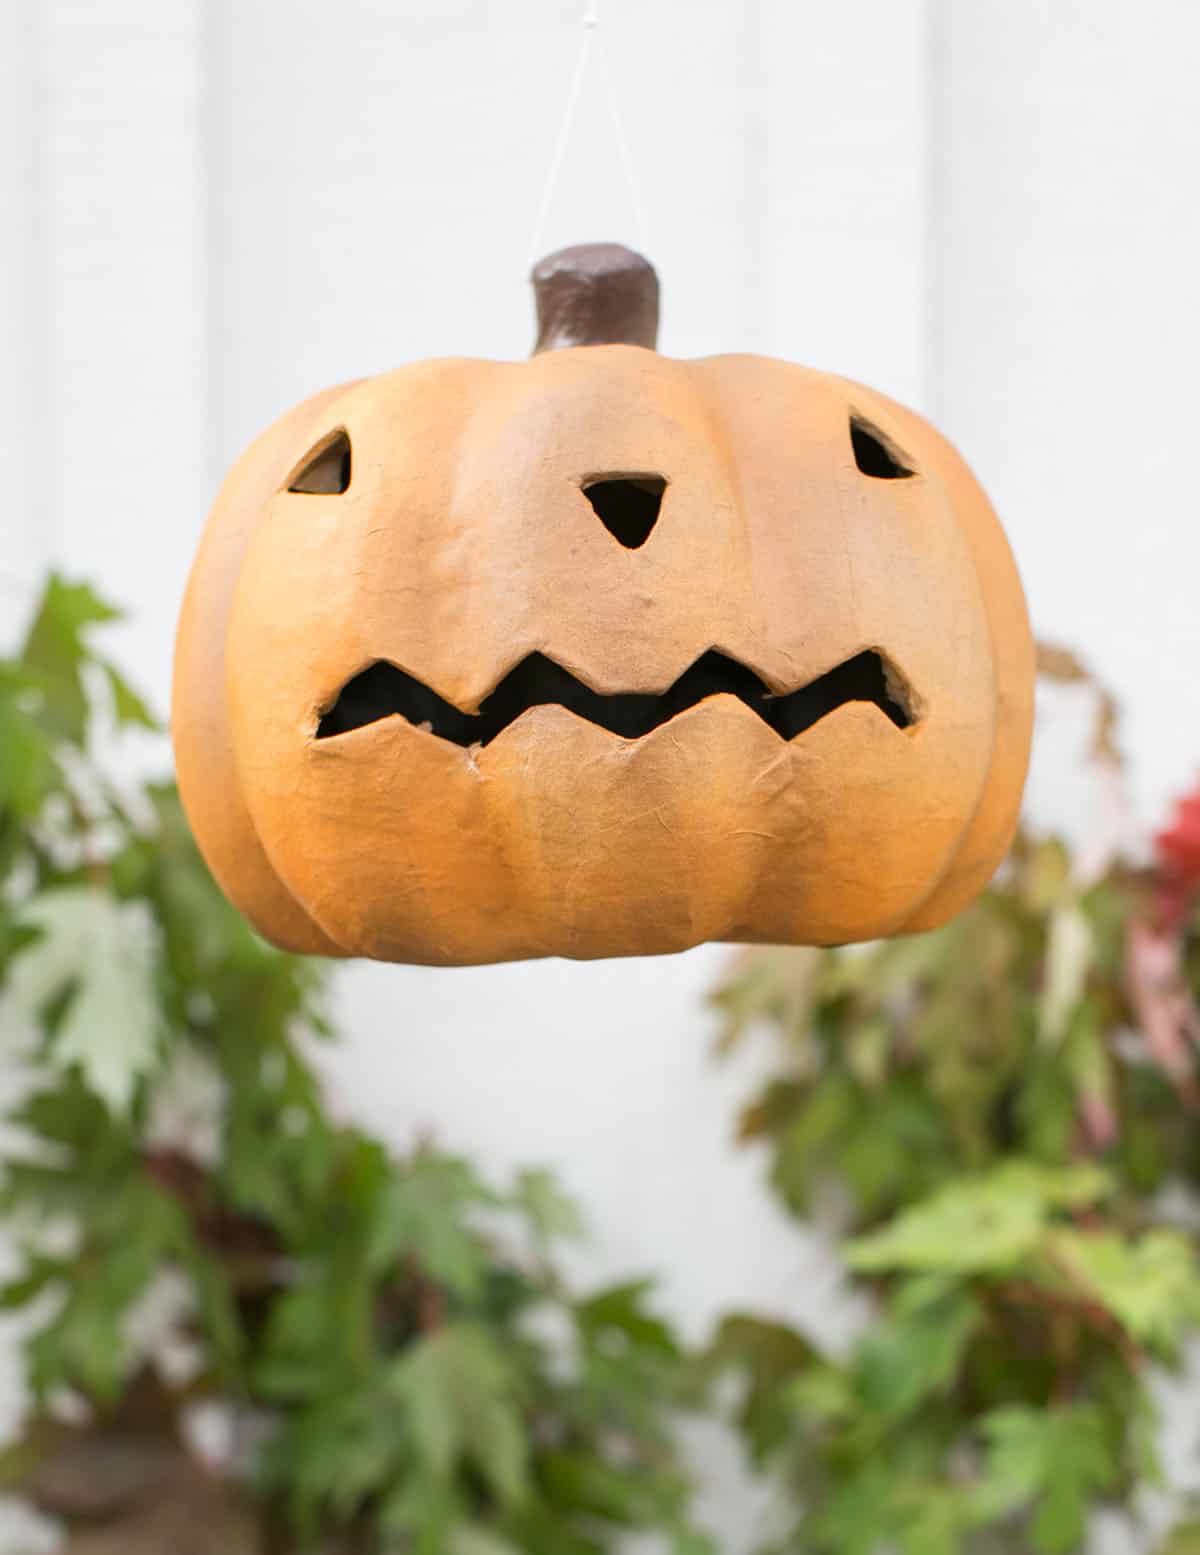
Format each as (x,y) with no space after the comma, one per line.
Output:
(988,208)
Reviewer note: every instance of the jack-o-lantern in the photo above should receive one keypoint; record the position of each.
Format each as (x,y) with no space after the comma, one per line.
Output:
(600,654)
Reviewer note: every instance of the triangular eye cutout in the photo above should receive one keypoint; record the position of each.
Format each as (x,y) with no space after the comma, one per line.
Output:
(326,471)
(627,505)
(875,455)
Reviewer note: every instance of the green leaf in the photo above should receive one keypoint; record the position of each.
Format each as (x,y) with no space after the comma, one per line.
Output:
(1184,1539)
(476,1539)
(858,1515)
(128,707)
(428,1215)
(84,1346)
(619,1493)
(688,1541)
(462,1398)
(888,1150)
(29,770)
(772,1359)
(985,1224)
(100,955)
(626,1367)
(55,652)
(917,1349)
(545,1527)
(806,1136)
(1152,1285)
(217,1302)
(934,1519)
(940,1101)
(39,1274)
(1054,1462)
(621,1309)
(369,1311)
(551,1214)
(423,1513)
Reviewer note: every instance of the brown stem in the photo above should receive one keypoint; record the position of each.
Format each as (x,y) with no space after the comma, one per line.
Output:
(595,294)
(1065,1306)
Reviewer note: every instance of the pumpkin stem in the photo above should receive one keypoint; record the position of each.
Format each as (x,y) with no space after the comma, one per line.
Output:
(595,294)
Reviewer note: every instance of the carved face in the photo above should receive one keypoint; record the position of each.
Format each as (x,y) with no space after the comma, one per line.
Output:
(600,654)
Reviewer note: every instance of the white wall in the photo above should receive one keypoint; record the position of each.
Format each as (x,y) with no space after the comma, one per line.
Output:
(986,207)
(1068,246)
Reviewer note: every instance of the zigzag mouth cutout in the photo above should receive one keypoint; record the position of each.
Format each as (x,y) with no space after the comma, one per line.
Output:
(381,690)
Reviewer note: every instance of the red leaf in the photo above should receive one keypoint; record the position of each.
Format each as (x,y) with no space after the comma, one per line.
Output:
(1178,850)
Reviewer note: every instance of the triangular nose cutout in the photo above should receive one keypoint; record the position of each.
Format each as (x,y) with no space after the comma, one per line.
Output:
(627,505)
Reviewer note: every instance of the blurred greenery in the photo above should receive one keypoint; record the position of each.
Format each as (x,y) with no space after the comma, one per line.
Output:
(1001,1119)
(396,1357)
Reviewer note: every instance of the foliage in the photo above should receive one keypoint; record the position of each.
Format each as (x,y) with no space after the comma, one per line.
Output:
(1004,1114)
(403,1366)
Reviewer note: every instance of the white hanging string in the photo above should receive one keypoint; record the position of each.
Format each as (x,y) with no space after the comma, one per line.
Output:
(589,44)
(622,140)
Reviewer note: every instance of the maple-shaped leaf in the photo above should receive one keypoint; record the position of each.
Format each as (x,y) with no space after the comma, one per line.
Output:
(56,651)
(428,1213)
(1053,1463)
(461,1396)
(98,954)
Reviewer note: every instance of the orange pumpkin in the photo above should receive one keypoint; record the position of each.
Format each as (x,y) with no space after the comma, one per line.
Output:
(600,654)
